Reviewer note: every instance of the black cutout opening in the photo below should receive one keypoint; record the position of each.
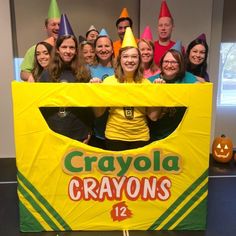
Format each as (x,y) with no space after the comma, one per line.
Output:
(79,123)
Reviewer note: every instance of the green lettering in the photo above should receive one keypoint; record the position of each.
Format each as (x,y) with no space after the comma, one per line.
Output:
(124,165)
(138,163)
(171,163)
(68,161)
(106,163)
(156,164)
(88,162)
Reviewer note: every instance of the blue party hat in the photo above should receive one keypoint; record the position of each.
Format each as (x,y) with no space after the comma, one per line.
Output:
(65,27)
(177,46)
(103,32)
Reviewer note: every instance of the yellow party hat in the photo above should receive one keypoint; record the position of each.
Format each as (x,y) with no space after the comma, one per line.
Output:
(129,40)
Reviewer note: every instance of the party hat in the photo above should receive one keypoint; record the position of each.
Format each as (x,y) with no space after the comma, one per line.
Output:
(124,13)
(147,34)
(91,28)
(53,11)
(129,40)
(124,16)
(164,11)
(65,28)
(177,46)
(103,32)
(81,39)
(202,37)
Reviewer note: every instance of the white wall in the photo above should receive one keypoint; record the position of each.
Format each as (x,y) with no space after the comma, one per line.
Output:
(7,148)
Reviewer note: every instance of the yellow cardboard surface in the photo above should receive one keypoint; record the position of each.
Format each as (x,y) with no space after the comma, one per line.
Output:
(67,185)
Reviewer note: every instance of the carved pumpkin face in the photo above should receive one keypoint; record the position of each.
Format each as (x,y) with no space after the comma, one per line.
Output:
(222,149)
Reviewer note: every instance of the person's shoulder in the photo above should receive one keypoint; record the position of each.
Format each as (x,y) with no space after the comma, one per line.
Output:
(110,80)
(28,61)
(30,50)
(152,78)
(189,78)
(117,42)
(145,81)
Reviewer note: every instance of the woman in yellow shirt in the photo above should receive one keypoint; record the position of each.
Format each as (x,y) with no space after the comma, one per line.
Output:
(127,126)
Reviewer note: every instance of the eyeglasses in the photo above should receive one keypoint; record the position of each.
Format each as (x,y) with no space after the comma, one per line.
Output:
(172,63)
(132,57)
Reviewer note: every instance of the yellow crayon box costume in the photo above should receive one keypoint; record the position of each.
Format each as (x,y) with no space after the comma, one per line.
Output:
(64,184)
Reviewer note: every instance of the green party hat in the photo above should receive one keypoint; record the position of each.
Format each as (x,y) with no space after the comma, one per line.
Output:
(54,11)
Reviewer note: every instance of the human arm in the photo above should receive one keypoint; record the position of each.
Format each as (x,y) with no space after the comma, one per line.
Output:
(99,111)
(27,64)
(200,80)
(24,75)
(154,113)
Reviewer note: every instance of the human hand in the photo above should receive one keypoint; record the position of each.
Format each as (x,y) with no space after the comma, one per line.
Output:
(31,79)
(159,81)
(87,139)
(95,80)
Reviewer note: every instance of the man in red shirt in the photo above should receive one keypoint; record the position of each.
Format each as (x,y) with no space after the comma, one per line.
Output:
(164,30)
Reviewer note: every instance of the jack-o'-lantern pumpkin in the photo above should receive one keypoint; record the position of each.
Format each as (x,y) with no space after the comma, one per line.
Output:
(222,149)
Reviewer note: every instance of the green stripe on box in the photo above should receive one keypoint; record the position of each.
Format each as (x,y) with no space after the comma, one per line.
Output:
(43,201)
(179,200)
(185,207)
(28,223)
(37,208)
(196,219)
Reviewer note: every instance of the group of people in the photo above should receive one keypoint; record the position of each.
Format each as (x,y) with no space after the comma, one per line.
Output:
(97,59)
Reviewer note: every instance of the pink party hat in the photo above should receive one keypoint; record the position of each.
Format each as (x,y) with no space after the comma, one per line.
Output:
(147,34)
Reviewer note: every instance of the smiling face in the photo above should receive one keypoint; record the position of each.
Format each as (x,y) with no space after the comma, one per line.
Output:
(103,49)
(170,66)
(222,149)
(67,50)
(129,61)
(88,54)
(52,27)
(146,52)
(197,54)
(164,29)
(42,55)
(92,35)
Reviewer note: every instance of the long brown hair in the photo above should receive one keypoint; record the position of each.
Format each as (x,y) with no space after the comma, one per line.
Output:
(57,65)
(119,73)
(38,69)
